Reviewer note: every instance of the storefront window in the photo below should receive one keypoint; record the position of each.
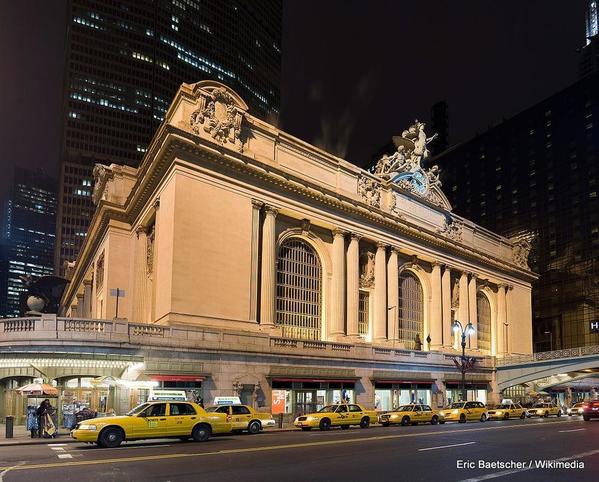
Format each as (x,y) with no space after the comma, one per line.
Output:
(473,394)
(306,397)
(390,395)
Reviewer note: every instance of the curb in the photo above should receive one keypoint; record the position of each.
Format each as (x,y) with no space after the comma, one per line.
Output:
(45,441)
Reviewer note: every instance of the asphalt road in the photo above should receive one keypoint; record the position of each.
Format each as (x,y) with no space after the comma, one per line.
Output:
(410,453)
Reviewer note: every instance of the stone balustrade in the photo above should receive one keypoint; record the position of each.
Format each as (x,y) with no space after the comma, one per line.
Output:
(62,331)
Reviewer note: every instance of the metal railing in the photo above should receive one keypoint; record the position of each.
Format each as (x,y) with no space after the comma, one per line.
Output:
(549,355)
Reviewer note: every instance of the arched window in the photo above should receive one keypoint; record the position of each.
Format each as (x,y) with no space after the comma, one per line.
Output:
(483,319)
(411,309)
(299,290)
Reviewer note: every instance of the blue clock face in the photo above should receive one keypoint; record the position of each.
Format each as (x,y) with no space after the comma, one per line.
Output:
(419,182)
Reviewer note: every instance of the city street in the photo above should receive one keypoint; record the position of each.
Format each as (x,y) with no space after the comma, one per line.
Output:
(395,453)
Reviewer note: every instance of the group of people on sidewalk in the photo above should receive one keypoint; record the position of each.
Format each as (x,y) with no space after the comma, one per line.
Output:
(41,421)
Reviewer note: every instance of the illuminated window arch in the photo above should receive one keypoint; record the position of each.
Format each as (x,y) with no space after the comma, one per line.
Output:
(483,319)
(411,309)
(299,290)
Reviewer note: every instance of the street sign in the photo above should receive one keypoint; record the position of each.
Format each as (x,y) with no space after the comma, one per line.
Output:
(594,326)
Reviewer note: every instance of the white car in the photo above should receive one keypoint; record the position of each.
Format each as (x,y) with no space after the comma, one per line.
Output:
(575,409)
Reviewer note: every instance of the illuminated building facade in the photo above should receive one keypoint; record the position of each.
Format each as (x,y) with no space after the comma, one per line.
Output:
(28,233)
(125,62)
(536,176)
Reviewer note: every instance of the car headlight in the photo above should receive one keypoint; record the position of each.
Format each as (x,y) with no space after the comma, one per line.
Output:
(87,427)
(498,412)
(455,412)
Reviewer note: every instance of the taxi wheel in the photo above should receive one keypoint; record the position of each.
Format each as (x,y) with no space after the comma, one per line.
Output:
(462,418)
(325,424)
(405,421)
(254,427)
(365,422)
(523,416)
(506,416)
(111,437)
(434,420)
(201,432)
(546,414)
(559,413)
(483,418)
(344,427)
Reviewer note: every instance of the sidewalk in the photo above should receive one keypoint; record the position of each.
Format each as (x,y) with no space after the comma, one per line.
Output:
(23,437)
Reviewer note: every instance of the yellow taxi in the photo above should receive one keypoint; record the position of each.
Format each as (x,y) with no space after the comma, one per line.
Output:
(153,420)
(506,411)
(411,414)
(337,415)
(244,417)
(544,409)
(463,411)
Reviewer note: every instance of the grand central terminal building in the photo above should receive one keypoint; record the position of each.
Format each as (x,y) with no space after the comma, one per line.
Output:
(238,259)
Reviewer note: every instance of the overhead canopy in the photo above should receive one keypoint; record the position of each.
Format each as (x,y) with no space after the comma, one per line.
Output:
(312,374)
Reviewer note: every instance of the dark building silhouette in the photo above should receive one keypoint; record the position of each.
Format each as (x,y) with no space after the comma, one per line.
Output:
(536,176)
(589,59)
(28,231)
(439,126)
(125,62)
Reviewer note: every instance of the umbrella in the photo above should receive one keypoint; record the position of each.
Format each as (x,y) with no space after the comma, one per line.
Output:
(38,389)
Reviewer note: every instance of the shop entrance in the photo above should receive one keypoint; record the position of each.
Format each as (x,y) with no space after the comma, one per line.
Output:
(300,397)
(306,401)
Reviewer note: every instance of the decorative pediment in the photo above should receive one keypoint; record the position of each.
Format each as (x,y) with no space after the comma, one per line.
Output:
(219,113)
(404,167)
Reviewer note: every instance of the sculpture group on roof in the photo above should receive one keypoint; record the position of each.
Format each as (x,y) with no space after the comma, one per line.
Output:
(411,151)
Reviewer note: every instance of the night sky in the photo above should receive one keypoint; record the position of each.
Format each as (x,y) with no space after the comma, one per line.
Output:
(354,72)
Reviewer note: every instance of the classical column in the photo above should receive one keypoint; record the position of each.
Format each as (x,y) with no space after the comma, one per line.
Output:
(140,289)
(446,295)
(472,314)
(380,293)
(80,311)
(436,318)
(463,305)
(393,296)
(87,298)
(353,284)
(269,255)
(500,324)
(338,284)
(256,206)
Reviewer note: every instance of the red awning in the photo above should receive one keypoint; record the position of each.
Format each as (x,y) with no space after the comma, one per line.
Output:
(315,380)
(406,382)
(177,378)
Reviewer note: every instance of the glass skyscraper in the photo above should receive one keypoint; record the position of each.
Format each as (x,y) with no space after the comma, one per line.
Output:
(28,231)
(125,62)
(536,176)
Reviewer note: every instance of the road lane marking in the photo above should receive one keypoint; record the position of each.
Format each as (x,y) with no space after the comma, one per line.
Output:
(532,467)
(445,446)
(142,458)
(573,430)
(57,449)
(65,456)
(56,445)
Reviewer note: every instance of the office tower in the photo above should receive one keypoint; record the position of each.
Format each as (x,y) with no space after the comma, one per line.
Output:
(125,62)
(535,176)
(28,231)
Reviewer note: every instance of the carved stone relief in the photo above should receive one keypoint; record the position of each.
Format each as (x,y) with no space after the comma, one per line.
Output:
(367,269)
(520,252)
(452,229)
(370,191)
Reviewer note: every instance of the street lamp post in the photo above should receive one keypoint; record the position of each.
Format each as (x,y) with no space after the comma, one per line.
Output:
(464,366)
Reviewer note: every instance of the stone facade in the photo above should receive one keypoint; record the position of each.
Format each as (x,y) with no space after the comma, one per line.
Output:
(194,237)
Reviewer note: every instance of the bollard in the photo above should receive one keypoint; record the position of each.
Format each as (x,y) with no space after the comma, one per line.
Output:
(9,426)
(280,420)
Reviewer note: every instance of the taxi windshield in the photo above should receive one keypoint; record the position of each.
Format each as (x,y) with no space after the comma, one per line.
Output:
(504,406)
(213,409)
(457,405)
(328,408)
(541,405)
(138,409)
(406,408)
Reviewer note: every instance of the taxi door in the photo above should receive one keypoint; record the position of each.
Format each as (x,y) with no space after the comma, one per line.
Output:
(355,414)
(240,417)
(181,418)
(427,413)
(471,411)
(418,414)
(156,422)
(341,416)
